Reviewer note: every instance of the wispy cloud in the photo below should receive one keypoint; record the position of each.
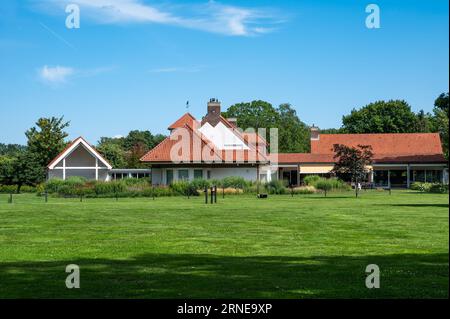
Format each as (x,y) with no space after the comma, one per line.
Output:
(176,69)
(56,75)
(210,16)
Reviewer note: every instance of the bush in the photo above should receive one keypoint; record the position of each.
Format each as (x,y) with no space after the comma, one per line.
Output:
(439,188)
(234,182)
(199,183)
(304,190)
(8,189)
(311,180)
(422,187)
(275,187)
(184,188)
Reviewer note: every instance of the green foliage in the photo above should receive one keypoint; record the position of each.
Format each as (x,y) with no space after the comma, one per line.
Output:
(275,187)
(200,183)
(430,187)
(46,140)
(7,170)
(113,153)
(234,182)
(393,116)
(127,151)
(184,188)
(311,180)
(11,150)
(28,169)
(324,185)
(293,134)
(441,113)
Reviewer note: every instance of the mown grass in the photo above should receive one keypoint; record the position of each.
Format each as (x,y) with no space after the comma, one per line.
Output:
(305,246)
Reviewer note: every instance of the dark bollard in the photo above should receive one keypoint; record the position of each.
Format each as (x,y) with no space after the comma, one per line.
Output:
(212,195)
(215,194)
(206,194)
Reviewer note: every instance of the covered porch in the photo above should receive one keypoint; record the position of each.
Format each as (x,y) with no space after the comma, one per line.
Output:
(403,175)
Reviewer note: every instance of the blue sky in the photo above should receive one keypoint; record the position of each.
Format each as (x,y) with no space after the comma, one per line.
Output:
(134,64)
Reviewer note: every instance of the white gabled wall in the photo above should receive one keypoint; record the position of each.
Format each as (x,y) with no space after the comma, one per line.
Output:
(222,137)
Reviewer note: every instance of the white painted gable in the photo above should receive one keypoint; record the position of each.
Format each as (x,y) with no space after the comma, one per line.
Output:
(222,137)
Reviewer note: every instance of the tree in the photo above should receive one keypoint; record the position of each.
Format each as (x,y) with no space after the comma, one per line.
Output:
(28,169)
(352,161)
(113,153)
(293,134)
(394,116)
(11,149)
(46,140)
(441,114)
(136,137)
(7,170)
(134,155)
(325,185)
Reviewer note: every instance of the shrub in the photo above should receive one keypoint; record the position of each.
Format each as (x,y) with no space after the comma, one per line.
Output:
(275,187)
(234,182)
(422,187)
(199,183)
(311,180)
(439,188)
(324,185)
(184,188)
(304,190)
(53,185)
(8,189)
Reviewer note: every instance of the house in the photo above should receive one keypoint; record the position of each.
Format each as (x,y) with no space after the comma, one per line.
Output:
(399,159)
(81,159)
(214,148)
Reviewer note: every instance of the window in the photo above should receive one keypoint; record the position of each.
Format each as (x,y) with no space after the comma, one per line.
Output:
(208,174)
(183,174)
(169,176)
(198,173)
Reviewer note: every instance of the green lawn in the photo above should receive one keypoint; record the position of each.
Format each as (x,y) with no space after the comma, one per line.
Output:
(307,246)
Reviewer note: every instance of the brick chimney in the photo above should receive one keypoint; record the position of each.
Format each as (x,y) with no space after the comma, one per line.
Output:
(315,133)
(213,115)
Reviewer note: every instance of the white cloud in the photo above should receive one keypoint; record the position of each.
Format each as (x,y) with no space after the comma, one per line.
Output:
(61,74)
(210,16)
(55,74)
(176,69)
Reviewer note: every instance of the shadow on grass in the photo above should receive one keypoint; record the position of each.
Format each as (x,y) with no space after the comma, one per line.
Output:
(211,276)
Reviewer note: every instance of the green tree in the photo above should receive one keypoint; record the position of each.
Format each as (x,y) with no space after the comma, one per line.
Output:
(46,140)
(293,134)
(441,114)
(324,185)
(113,152)
(28,169)
(11,149)
(7,170)
(353,162)
(394,116)
(136,137)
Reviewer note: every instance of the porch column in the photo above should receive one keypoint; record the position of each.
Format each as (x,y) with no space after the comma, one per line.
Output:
(298,177)
(64,169)
(389,178)
(96,169)
(408,173)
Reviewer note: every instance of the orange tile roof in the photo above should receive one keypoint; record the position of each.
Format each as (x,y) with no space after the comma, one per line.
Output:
(401,143)
(185,119)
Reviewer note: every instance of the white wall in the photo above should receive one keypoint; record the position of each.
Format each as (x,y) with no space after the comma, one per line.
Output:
(222,137)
